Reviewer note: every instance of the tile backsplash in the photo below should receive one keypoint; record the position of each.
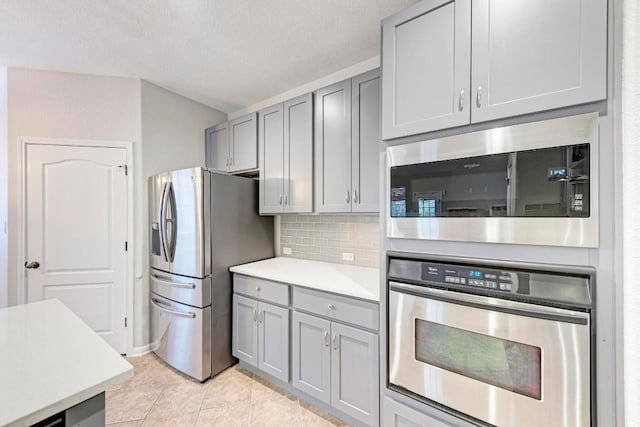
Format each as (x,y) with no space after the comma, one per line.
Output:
(327,237)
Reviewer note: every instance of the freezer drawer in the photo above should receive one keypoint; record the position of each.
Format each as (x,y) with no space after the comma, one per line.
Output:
(185,290)
(181,336)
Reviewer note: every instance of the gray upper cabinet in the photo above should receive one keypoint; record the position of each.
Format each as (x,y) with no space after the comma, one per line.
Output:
(333,148)
(244,329)
(354,373)
(425,67)
(243,143)
(347,145)
(285,151)
(273,340)
(533,55)
(271,155)
(518,57)
(217,147)
(311,368)
(365,141)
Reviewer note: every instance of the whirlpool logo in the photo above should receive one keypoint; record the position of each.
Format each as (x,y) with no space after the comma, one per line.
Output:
(472,165)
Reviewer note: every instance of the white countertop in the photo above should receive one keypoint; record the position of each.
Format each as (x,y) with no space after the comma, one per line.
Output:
(49,361)
(359,282)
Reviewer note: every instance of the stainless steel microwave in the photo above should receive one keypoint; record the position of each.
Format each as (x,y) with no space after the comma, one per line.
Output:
(534,183)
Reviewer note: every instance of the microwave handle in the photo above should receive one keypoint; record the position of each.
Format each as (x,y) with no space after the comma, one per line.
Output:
(492,303)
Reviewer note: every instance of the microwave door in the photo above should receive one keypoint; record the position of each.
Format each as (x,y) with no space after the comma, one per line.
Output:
(158,257)
(186,215)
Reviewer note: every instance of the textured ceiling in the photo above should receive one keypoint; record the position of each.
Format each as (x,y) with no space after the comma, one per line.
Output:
(224,53)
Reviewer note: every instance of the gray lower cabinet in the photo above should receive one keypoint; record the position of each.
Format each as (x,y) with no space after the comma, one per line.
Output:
(395,414)
(448,63)
(285,152)
(217,147)
(260,335)
(338,365)
(347,145)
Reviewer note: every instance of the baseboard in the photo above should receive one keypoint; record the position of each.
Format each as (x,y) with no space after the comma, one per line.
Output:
(141,350)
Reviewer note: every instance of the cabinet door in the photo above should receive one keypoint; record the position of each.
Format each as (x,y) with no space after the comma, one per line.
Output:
(355,373)
(365,141)
(245,330)
(533,55)
(333,148)
(271,155)
(243,133)
(273,340)
(426,52)
(312,356)
(298,154)
(217,147)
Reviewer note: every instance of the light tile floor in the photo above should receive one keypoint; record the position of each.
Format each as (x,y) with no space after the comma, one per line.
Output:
(158,395)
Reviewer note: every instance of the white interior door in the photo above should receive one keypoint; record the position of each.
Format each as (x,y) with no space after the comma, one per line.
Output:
(76,228)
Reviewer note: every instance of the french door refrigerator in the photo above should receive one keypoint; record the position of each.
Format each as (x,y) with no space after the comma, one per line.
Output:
(201,223)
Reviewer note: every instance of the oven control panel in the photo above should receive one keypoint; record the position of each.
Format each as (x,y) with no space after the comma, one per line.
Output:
(566,285)
(490,279)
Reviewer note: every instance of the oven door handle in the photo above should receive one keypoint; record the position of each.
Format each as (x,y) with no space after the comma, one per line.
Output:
(497,304)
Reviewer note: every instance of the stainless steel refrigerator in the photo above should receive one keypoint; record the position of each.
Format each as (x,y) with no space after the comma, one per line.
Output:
(201,223)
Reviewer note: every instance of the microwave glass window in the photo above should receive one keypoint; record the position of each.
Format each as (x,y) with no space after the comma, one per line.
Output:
(549,182)
(506,364)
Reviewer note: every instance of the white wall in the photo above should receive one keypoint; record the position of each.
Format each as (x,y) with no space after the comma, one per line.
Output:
(3,190)
(167,132)
(173,136)
(631,208)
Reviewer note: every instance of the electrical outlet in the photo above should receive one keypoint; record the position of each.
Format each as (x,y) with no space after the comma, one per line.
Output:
(347,256)
(286,251)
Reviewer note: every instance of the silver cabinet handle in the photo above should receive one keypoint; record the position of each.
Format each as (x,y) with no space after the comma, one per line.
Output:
(461,100)
(335,341)
(286,199)
(331,307)
(355,196)
(257,288)
(261,319)
(161,306)
(347,199)
(326,338)
(230,160)
(479,97)
(255,315)
(280,199)
(168,281)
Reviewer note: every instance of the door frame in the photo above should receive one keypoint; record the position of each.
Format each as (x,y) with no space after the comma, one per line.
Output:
(24,142)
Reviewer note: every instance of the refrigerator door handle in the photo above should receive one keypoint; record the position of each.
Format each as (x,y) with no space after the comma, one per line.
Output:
(161,306)
(169,282)
(174,222)
(163,225)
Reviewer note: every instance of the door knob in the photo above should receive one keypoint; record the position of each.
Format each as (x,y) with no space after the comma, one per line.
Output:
(32,264)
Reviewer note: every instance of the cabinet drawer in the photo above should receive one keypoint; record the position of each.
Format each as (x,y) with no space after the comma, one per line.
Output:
(277,293)
(345,309)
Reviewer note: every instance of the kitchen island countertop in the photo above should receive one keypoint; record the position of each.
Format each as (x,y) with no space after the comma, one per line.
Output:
(348,280)
(50,361)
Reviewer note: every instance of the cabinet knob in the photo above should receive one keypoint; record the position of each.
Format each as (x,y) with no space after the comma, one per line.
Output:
(479,97)
(32,265)
(348,199)
(257,288)
(461,100)
(331,307)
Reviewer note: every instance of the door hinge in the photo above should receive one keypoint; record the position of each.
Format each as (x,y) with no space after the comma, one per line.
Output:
(126,246)
(125,322)
(125,168)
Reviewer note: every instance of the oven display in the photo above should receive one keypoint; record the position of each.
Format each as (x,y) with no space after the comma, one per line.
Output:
(475,274)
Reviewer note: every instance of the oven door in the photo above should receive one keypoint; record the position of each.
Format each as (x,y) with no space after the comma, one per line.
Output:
(503,362)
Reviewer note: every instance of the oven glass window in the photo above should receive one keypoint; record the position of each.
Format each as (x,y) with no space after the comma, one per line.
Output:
(548,182)
(506,364)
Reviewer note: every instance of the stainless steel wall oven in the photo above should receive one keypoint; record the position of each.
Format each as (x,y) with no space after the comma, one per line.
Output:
(535,183)
(497,343)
